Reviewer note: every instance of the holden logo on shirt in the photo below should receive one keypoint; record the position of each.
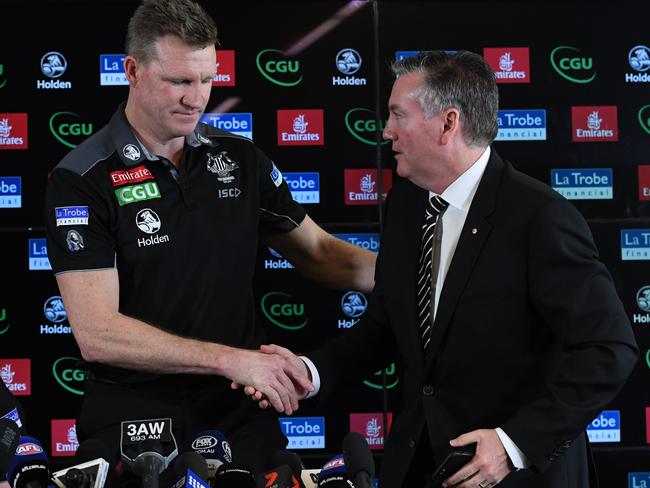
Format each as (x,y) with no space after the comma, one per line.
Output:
(222,166)
(148,221)
(131,151)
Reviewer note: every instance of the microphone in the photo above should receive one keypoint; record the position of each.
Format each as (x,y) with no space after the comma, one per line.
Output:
(215,449)
(192,470)
(30,467)
(91,468)
(148,446)
(9,438)
(333,474)
(359,463)
(285,474)
(10,408)
(230,475)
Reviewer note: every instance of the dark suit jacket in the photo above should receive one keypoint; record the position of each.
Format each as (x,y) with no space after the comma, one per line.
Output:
(529,334)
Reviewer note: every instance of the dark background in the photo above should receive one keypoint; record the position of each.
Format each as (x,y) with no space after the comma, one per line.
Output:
(81,31)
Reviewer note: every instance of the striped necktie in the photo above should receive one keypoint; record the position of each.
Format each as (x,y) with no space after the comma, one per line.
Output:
(427,257)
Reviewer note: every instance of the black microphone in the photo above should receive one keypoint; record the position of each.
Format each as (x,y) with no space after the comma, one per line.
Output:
(30,467)
(9,438)
(11,409)
(286,471)
(192,470)
(359,463)
(91,468)
(215,449)
(231,475)
(148,446)
(333,474)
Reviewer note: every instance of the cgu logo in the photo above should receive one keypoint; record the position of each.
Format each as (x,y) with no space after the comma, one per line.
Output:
(566,62)
(3,317)
(62,130)
(391,379)
(362,124)
(272,65)
(279,309)
(2,72)
(644,118)
(66,375)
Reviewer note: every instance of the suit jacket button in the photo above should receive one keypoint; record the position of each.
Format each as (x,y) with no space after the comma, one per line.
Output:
(427,390)
(411,443)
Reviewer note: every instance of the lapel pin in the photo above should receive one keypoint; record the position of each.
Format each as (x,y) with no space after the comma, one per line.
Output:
(474,231)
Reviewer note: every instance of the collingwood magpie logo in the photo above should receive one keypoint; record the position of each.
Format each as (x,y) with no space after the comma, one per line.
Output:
(75,241)
(222,166)
(131,151)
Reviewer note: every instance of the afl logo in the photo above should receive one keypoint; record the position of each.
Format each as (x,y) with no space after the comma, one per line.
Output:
(28,449)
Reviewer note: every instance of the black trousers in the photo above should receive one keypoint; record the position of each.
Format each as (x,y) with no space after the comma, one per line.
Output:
(422,466)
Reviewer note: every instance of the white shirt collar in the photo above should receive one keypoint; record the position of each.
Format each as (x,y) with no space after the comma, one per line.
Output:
(461,192)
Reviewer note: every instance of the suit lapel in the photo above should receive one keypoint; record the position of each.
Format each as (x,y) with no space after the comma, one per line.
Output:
(472,238)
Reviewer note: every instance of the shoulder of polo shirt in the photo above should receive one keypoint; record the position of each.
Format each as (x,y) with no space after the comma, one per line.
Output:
(214,133)
(90,152)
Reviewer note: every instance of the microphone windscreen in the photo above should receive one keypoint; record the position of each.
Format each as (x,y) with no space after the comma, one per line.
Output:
(231,475)
(335,465)
(193,461)
(357,455)
(289,458)
(214,447)
(9,439)
(30,465)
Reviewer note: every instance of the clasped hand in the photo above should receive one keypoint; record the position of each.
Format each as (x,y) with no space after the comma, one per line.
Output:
(273,376)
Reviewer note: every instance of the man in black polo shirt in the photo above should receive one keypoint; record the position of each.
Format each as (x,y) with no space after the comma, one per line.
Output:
(152,228)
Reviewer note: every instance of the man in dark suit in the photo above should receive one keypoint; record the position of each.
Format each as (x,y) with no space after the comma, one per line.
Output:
(522,339)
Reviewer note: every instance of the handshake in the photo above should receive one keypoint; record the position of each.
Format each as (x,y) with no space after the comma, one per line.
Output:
(271,376)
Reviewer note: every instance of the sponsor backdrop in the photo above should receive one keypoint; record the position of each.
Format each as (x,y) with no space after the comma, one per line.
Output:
(574,113)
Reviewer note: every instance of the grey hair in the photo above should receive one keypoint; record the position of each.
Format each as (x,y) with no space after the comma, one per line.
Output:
(463,81)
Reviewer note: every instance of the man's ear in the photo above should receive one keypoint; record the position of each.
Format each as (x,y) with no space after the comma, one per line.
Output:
(130,70)
(451,124)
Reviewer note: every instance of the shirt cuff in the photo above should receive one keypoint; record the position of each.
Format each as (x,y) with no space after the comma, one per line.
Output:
(516,455)
(315,377)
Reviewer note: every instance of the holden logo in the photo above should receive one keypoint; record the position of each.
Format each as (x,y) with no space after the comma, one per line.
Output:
(54,310)
(643,298)
(354,304)
(53,64)
(148,221)
(348,61)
